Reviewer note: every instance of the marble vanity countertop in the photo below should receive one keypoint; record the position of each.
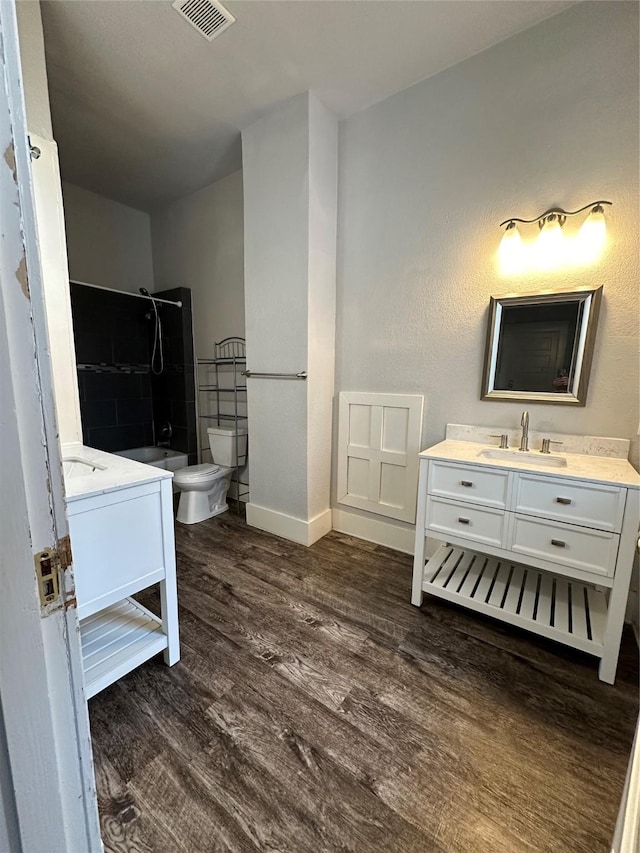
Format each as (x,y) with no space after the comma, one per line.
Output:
(89,472)
(597,469)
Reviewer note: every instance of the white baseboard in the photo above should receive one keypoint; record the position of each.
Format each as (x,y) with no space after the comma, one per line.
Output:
(294,529)
(373,530)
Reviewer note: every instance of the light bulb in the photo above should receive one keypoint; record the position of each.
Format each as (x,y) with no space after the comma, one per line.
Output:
(589,243)
(550,248)
(511,251)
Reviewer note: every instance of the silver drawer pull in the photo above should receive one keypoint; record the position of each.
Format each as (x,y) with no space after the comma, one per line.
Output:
(558,543)
(467,483)
(566,501)
(463,520)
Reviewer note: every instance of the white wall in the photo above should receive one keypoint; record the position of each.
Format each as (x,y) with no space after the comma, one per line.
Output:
(321,314)
(275,154)
(198,242)
(290,174)
(108,243)
(548,117)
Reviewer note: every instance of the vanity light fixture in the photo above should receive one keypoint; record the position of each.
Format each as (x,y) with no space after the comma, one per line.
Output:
(552,249)
(550,245)
(510,251)
(592,235)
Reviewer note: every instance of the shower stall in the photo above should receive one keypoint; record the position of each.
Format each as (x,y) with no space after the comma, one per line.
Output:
(135,361)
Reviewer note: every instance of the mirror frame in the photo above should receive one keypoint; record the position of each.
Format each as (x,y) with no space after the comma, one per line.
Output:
(577,394)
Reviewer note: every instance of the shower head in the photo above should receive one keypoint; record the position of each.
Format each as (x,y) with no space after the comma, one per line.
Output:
(144,292)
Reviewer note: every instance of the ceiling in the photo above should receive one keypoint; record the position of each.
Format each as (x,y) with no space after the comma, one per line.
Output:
(145,110)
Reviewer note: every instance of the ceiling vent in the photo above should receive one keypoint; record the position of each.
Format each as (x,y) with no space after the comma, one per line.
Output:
(207,16)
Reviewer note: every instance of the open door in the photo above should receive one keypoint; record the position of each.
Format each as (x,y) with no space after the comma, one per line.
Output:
(47,788)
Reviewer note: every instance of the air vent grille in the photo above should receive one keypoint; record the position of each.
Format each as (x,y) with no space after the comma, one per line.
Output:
(208,17)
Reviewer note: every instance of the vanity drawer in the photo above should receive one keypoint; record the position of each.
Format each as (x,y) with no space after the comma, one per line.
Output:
(593,551)
(488,487)
(587,504)
(477,524)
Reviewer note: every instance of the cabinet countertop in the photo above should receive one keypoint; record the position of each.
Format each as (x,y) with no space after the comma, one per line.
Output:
(89,472)
(596,469)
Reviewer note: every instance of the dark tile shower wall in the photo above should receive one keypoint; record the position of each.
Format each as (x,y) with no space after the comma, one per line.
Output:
(119,396)
(116,409)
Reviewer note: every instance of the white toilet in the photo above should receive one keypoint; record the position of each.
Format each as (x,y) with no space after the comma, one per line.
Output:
(204,487)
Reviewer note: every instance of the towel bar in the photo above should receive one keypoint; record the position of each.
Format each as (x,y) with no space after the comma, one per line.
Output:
(250,374)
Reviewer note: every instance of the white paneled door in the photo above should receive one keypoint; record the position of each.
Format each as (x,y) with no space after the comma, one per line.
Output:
(49,801)
(378,445)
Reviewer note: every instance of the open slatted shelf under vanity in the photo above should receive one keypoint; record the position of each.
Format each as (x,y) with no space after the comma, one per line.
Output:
(117,640)
(558,608)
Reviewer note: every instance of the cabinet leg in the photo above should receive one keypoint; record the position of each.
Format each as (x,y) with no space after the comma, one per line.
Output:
(607,668)
(418,555)
(169,586)
(418,574)
(619,592)
(169,612)
(613,631)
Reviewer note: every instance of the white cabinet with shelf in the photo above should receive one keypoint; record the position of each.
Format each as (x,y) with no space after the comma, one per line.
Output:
(552,554)
(122,540)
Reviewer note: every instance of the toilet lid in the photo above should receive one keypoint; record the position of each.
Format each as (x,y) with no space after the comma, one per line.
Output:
(198,472)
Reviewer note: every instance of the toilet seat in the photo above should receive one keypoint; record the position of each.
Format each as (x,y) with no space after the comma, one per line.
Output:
(196,473)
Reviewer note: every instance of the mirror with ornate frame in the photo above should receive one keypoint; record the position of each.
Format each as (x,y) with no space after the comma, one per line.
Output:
(540,346)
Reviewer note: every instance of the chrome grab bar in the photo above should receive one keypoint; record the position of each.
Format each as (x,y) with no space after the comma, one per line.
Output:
(251,374)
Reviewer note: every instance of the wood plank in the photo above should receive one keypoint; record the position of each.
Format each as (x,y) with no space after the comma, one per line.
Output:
(113,642)
(314,709)
(528,604)
(447,568)
(124,828)
(597,614)
(477,562)
(578,612)
(500,585)
(111,628)
(486,580)
(356,750)
(98,676)
(515,589)
(460,573)
(545,600)
(561,612)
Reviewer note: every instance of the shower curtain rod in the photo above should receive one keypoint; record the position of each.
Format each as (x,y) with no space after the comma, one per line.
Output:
(126,293)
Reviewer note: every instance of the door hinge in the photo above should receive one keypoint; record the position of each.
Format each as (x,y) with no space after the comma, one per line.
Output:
(49,564)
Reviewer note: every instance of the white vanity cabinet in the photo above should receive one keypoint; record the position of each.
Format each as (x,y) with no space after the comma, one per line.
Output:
(122,540)
(550,552)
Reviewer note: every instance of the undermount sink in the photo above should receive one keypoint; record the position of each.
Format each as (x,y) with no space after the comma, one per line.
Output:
(529,457)
(74,466)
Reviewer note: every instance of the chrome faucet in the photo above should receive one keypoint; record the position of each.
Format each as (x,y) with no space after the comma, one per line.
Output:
(524,441)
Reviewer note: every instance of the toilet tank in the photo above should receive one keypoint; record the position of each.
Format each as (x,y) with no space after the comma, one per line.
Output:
(222,442)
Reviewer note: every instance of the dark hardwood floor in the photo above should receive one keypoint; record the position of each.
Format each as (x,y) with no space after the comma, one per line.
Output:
(314,709)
